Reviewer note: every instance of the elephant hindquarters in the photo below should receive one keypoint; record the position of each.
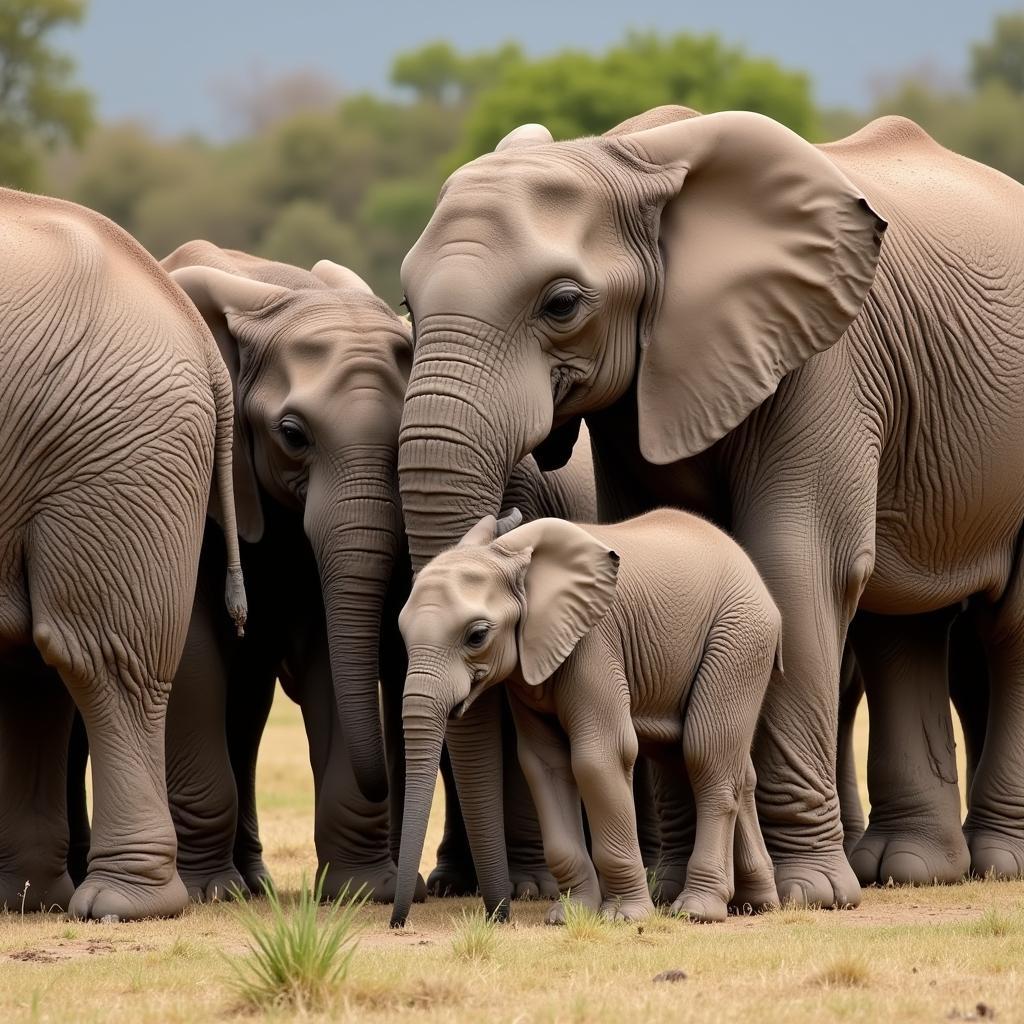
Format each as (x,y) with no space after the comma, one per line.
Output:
(131,588)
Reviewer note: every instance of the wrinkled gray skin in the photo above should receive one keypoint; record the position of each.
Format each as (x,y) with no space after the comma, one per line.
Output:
(319,366)
(713,294)
(116,413)
(912,753)
(554,610)
(565,493)
(345,356)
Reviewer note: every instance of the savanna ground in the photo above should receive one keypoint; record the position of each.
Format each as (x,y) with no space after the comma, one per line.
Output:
(932,954)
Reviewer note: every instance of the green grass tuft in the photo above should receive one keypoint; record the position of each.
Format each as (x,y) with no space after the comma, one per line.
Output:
(476,936)
(581,923)
(993,924)
(299,953)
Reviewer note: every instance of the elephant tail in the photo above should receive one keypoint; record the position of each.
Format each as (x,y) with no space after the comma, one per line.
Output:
(223,494)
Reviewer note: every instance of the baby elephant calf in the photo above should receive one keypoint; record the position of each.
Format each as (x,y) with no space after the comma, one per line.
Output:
(653,632)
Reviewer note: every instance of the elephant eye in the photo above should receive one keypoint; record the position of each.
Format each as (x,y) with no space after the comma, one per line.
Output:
(293,434)
(476,637)
(563,304)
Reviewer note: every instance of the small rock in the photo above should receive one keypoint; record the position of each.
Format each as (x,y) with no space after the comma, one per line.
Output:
(110,919)
(675,974)
(984,1011)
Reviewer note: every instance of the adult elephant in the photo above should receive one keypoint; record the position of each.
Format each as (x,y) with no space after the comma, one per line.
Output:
(713,294)
(315,352)
(116,415)
(319,366)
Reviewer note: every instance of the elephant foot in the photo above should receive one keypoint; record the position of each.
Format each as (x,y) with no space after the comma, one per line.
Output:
(667,881)
(377,881)
(817,880)
(755,895)
(910,858)
(532,883)
(700,907)
(105,895)
(31,890)
(852,836)
(452,878)
(215,887)
(637,909)
(256,876)
(995,854)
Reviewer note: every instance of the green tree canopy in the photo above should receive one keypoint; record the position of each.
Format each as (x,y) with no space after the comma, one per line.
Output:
(39,105)
(1000,60)
(439,73)
(575,93)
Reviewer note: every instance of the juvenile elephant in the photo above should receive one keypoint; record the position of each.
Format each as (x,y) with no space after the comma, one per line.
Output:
(563,493)
(116,415)
(556,612)
(713,294)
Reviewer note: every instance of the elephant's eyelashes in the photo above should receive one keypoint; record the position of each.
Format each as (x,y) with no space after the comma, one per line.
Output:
(477,637)
(293,435)
(563,304)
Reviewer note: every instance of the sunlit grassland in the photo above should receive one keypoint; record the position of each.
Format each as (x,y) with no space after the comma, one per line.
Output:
(926,954)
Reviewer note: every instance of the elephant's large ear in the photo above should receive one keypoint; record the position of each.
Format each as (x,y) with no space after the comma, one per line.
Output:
(768,252)
(217,295)
(569,585)
(336,276)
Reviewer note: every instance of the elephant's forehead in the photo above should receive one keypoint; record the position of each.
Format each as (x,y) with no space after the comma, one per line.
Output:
(454,588)
(506,200)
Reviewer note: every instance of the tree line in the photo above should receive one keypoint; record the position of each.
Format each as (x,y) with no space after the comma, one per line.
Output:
(312,174)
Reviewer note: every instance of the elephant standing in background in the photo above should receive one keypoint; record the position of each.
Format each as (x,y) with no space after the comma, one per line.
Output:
(318,365)
(713,294)
(116,415)
(313,354)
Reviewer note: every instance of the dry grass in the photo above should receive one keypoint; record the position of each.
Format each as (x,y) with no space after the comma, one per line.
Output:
(926,954)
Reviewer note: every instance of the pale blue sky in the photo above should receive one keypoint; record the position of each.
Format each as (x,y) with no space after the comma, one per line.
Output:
(157,61)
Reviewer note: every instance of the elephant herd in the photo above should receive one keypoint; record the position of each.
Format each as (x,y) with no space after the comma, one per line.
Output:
(694,433)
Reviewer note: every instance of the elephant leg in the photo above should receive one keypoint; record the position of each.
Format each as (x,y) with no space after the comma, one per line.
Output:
(527,868)
(718,726)
(795,744)
(603,751)
(995,816)
(393,666)
(851,690)
(454,873)
(676,820)
(648,832)
(968,689)
(78,808)
(546,762)
(250,696)
(351,833)
(754,876)
(913,835)
(35,725)
(200,783)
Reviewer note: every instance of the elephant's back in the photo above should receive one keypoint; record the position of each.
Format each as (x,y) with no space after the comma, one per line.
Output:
(101,353)
(942,328)
(966,208)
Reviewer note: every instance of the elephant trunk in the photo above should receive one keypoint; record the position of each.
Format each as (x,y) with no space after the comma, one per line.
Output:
(354,530)
(424,717)
(454,459)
